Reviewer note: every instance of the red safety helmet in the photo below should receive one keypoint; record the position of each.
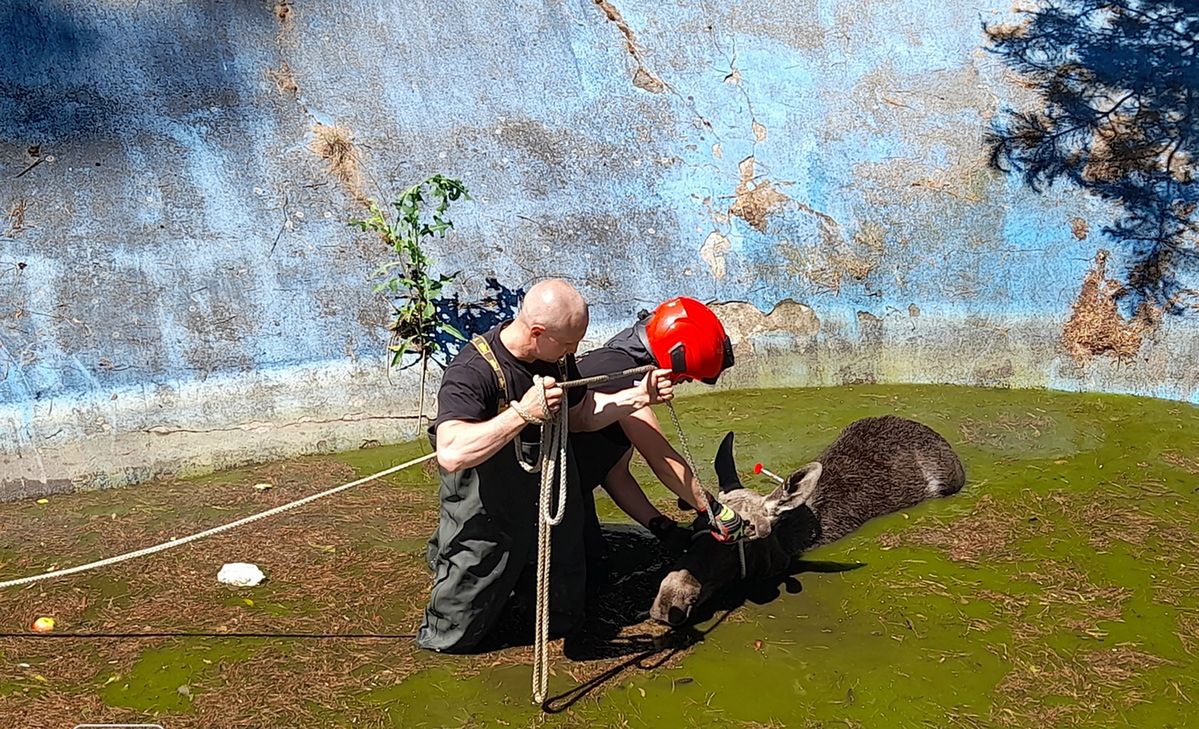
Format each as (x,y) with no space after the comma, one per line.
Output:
(687,337)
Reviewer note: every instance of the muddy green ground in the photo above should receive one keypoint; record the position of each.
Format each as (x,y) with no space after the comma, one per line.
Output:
(1060,588)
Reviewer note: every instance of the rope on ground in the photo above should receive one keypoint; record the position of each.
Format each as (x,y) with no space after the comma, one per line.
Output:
(211,532)
(555,432)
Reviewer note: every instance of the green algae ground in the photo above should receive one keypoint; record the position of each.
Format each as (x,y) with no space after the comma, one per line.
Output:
(1060,588)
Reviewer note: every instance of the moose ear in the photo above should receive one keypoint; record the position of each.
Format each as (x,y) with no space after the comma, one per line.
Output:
(726,468)
(797,491)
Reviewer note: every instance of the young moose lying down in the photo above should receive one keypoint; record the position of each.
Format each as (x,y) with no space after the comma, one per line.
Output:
(876,466)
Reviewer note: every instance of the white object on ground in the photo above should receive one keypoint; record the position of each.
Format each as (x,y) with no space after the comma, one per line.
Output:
(241,574)
(54,572)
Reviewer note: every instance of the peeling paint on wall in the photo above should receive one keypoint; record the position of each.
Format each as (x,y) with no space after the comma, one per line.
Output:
(1095,326)
(713,253)
(1078,226)
(755,198)
(283,10)
(751,330)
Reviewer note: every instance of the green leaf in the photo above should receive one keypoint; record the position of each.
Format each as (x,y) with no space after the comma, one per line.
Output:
(453,331)
(420,213)
(384,268)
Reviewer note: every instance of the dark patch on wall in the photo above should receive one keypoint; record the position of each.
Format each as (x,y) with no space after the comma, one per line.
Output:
(497,303)
(998,375)
(66,76)
(39,42)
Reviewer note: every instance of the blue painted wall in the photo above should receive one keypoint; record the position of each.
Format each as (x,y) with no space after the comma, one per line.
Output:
(179,290)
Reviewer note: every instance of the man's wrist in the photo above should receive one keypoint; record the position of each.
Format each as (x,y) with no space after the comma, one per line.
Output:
(524,414)
(516,421)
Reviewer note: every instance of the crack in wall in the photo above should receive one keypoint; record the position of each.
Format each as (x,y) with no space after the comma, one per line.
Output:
(643,78)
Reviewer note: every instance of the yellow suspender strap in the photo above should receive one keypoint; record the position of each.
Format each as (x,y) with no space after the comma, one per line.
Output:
(484,349)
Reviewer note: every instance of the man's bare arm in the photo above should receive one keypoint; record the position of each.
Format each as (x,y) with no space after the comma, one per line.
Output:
(465,445)
(462,444)
(599,410)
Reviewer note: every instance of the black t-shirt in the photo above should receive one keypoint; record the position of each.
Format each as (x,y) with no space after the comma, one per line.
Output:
(621,352)
(596,453)
(470,390)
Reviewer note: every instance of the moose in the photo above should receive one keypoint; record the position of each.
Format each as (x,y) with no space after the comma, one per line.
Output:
(875,466)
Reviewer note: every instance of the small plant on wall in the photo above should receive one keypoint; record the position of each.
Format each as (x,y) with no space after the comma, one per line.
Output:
(420,214)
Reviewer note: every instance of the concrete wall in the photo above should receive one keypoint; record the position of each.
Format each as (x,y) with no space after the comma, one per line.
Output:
(179,290)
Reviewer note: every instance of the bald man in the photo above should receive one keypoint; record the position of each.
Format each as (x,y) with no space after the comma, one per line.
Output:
(484,550)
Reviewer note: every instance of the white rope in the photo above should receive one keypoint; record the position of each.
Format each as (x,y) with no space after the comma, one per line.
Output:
(554,432)
(210,532)
(552,465)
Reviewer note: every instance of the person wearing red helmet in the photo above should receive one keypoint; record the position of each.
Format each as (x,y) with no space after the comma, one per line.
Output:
(687,337)
(483,554)
(681,334)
